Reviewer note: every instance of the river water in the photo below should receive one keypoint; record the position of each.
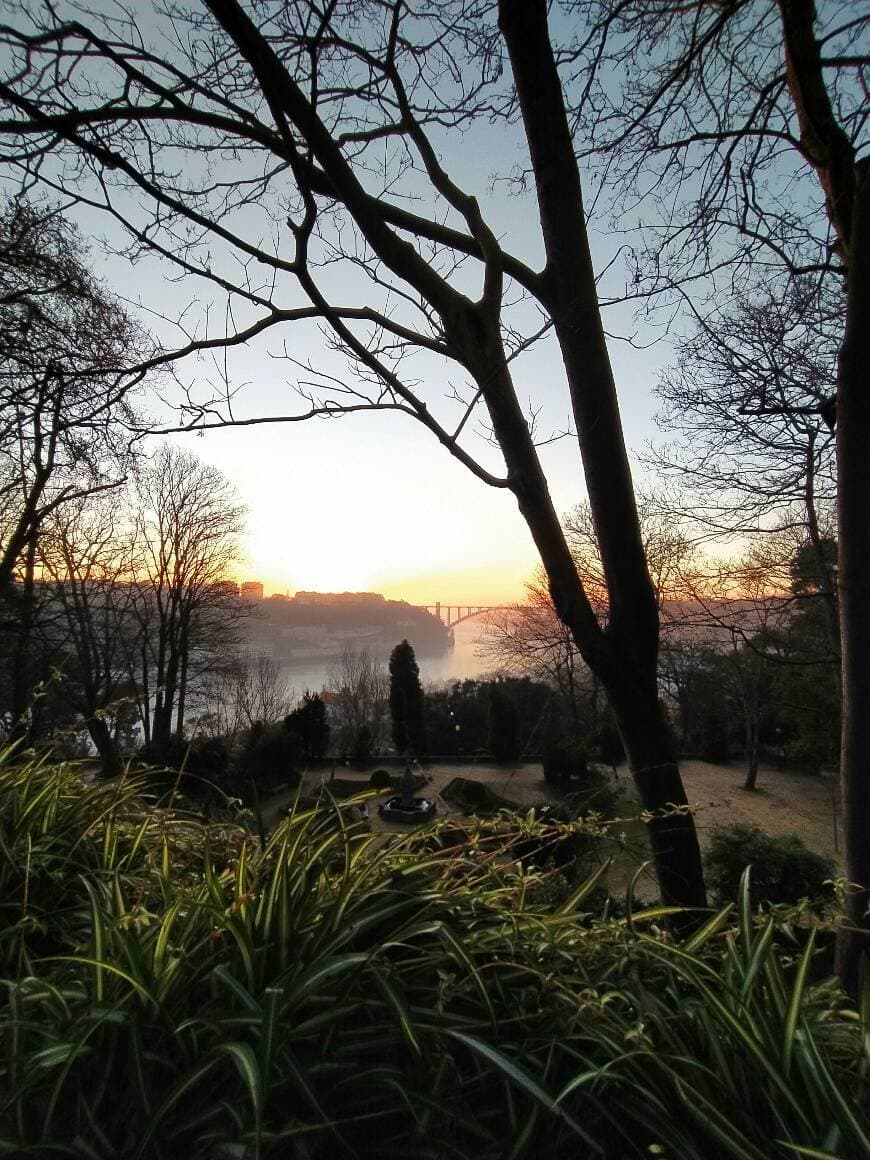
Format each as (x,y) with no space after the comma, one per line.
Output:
(460,663)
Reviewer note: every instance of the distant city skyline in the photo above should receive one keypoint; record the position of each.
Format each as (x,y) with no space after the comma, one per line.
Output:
(251,588)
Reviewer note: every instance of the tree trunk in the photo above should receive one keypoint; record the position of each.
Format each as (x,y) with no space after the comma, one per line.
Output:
(625,655)
(184,648)
(751,751)
(652,760)
(164,708)
(145,695)
(22,669)
(104,743)
(853,525)
(827,574)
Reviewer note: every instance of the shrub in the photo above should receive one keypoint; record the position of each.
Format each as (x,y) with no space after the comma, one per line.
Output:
(564,760)
(575,851)
(269,753)
(714,743)
(608,745)
(596,793)
(363,747)
(807,754)
(474,797)
(206,774)
(784,869)
(310,725)
(503,726)
(380,779)
(587,787)
(208,757)
(154,756)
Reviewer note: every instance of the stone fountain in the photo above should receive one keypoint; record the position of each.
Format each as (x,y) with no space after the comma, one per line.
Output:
(406,806)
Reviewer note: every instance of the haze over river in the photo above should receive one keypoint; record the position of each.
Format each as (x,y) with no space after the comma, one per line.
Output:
(458,664)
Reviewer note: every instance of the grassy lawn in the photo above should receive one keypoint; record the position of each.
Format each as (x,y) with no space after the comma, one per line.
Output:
(785,802)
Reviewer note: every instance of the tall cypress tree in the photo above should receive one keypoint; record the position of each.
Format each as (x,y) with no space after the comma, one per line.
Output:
(406,701)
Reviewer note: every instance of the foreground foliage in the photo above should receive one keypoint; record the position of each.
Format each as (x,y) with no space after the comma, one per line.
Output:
(179,987)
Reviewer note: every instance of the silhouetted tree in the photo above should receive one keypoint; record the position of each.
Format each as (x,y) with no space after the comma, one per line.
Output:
(187,522)
(310,725)
(269,754)
(748,124)
(406,701)
(363,747)
(504,725)
(63,398)
(88,617)
(63,409)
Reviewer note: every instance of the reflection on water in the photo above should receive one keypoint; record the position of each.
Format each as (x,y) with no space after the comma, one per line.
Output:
(459,664)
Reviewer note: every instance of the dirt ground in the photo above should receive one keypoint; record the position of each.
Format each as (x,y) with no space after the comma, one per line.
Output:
(784,802)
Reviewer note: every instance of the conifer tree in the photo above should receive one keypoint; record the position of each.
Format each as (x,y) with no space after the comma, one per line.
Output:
(309,723)
(406,701)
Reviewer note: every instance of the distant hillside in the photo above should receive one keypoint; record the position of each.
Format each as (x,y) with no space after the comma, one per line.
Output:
(312,624)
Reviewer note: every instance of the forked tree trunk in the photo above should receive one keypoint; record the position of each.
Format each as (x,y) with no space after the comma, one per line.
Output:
(853,526)
(624,656)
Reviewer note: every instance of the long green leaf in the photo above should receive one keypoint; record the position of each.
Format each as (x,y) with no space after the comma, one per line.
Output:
(794,1006)
(518,1076)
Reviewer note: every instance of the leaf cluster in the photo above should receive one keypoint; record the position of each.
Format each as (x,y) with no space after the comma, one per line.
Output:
(323,994)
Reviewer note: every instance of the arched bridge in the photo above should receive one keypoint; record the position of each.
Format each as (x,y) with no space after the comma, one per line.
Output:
(451,614)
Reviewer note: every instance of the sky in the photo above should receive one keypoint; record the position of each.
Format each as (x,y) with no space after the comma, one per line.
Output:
(372,502)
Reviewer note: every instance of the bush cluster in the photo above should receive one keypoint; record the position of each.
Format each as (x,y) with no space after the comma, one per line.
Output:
(783,868)
(590,788)
(380,779)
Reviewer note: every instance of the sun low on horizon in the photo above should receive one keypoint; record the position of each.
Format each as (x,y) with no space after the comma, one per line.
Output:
(330,511)
(457,586)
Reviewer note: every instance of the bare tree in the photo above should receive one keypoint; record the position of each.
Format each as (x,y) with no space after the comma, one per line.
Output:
(746,399)
(325,121)
(260,693)
(530,640)
(752,399)
(237,691)
(64,409)
(89,615)
(63,400)
(187,523)
(740,613)
(361,691)
(533,640)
